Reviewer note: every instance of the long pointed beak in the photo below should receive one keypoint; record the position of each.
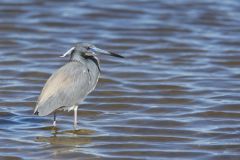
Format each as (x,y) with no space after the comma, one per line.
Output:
(98,50)
(68,52)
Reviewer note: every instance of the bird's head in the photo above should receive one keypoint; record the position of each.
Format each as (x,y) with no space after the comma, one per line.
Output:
(87,49)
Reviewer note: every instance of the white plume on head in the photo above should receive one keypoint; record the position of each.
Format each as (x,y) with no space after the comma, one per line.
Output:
(68,52)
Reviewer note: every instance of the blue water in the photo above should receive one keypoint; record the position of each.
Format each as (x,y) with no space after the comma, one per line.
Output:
(174,96)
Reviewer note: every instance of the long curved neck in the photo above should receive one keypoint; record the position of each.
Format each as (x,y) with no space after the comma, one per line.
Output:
(76,57)
(95,60)
(82,59)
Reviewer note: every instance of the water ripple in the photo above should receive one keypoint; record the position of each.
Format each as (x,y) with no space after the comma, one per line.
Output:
(175,95)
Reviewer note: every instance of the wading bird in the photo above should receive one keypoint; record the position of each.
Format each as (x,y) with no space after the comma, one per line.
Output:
(71,83)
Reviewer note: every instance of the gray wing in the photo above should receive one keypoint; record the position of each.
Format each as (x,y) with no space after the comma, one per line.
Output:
(66,87)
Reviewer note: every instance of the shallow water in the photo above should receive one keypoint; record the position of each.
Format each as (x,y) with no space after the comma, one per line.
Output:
(175,96)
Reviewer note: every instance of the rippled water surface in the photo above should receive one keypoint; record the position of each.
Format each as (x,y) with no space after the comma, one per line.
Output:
(174,96)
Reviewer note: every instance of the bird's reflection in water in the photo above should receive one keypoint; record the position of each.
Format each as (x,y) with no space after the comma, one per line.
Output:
(79,132)
(67,138)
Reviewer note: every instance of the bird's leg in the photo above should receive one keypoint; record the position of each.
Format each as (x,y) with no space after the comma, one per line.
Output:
(75,116)
(54,119)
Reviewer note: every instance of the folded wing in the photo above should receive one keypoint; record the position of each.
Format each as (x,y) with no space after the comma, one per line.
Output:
(66,87)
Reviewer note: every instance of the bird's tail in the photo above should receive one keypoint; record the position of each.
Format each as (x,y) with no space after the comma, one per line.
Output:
(35,112)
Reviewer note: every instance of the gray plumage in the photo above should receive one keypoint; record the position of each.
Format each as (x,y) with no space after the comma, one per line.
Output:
(71,83)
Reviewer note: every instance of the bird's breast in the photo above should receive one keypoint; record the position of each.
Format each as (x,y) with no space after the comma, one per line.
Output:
(93,73)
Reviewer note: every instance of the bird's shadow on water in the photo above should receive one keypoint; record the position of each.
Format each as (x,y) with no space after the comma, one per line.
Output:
(66,137)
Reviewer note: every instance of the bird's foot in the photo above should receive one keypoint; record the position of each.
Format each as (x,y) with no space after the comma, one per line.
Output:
(75,126)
